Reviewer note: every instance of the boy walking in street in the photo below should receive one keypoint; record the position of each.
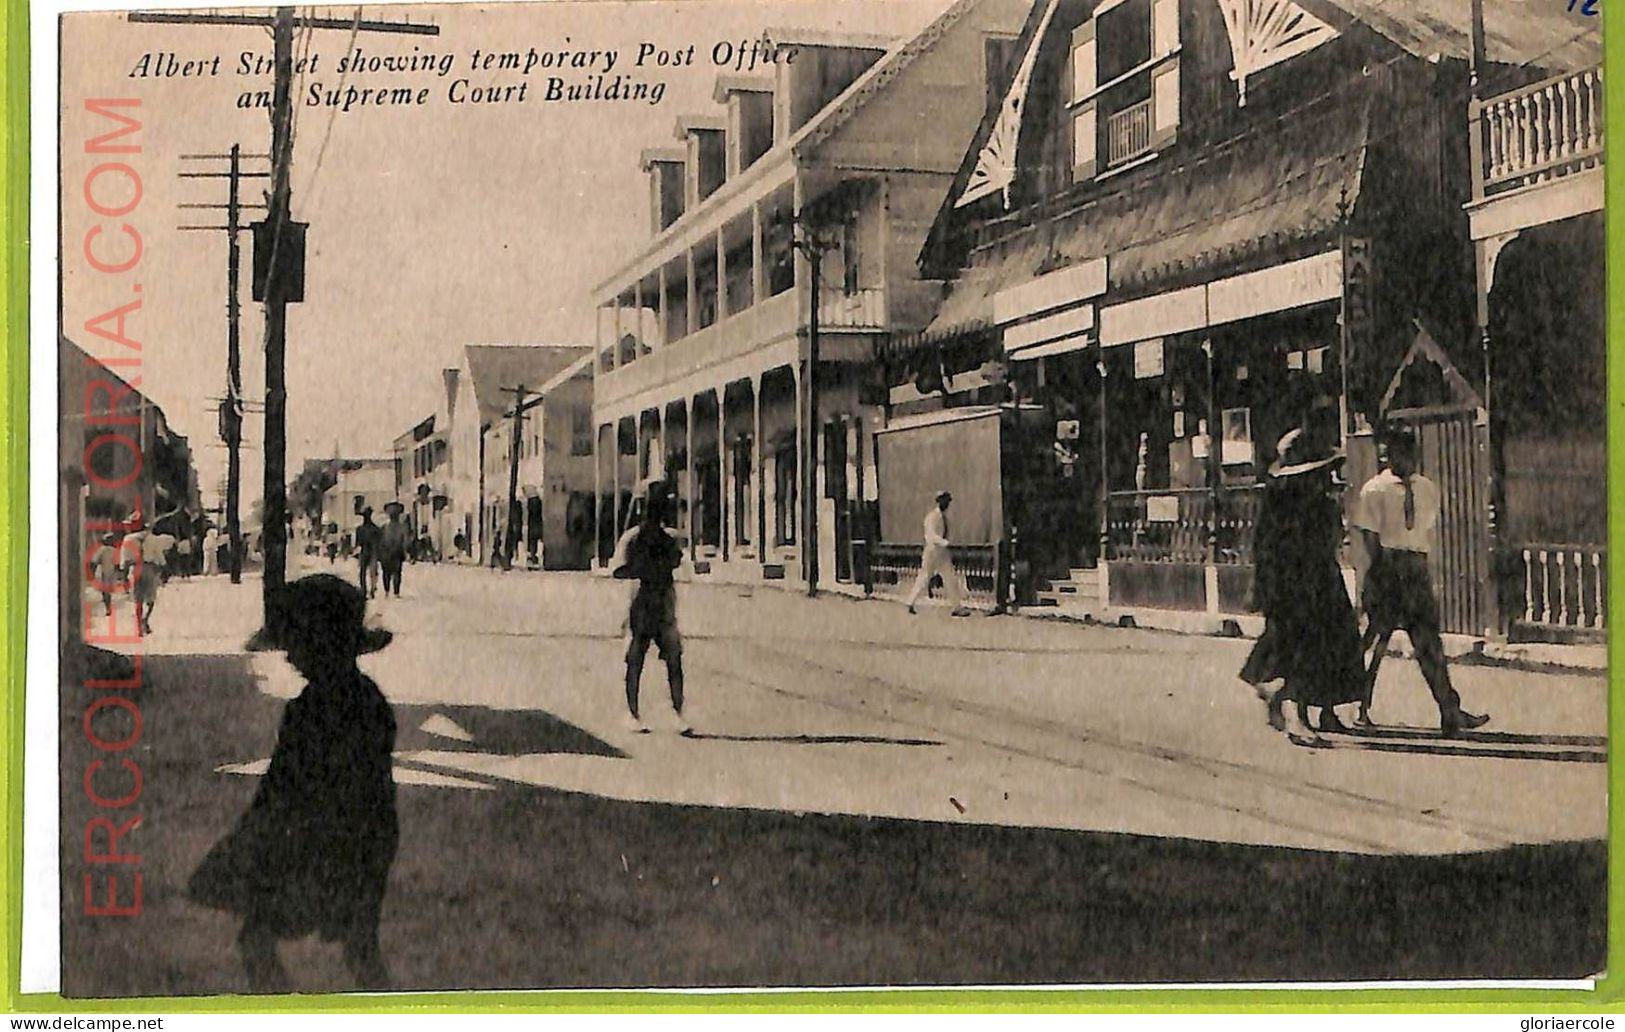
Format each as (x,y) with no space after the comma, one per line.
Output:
(648,554)
(1397,515)
(936,559)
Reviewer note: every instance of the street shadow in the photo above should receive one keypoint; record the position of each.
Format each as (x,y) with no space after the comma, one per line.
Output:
(495,731)
(1498,745)
(814,739)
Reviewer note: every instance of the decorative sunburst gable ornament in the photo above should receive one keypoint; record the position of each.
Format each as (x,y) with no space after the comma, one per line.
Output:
(995,169)
(1267,32)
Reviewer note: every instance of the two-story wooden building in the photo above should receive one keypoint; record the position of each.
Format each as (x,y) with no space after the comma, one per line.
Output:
(1190,226)
(703,372)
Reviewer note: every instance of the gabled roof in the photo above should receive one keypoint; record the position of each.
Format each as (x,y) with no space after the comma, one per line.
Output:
(1541,33)
(492,367)
(840,110)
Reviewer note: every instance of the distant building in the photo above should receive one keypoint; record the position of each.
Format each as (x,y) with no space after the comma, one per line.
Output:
(478,398)
(555,531)
(362,484)
(422,458)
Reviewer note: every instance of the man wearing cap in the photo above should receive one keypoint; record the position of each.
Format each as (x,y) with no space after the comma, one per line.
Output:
(648,554)
(366,543)
(936,559)
(1397,515)
(392,544)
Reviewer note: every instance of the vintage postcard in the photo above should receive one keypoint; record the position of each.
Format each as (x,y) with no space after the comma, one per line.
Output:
(704,494)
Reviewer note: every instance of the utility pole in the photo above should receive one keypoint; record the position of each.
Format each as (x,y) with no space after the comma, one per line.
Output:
(511,539)
(231,407)
(811,243)
(283,266)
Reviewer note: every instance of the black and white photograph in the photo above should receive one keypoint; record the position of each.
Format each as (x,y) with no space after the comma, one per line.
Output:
(854,494)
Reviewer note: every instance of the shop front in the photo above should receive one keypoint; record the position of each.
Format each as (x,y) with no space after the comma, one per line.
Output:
(1198,386)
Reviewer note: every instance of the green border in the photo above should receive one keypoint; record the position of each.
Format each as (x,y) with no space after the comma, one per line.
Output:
(1608,997)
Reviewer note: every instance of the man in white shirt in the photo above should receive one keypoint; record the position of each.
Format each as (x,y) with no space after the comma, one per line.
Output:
(1397,515)
(936,559)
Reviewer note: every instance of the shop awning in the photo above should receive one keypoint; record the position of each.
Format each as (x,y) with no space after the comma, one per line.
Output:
(1272,195)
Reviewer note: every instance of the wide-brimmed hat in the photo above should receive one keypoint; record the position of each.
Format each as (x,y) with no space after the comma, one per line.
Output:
(319,608)
(1297,454)
(392,507)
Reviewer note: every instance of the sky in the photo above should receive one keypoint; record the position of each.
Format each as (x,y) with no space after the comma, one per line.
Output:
(431,227)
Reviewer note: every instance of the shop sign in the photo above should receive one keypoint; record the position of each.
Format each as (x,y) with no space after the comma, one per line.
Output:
(1057,289)
(1276,289)
(1148,359)
(1070,323)
(1162,509)
(1358,315)
(1066,430)
(1174,312)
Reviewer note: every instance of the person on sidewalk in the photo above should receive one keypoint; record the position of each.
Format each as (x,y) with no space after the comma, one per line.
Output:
(314,849)
(936,560)
(648,554)
(211,551)
(366,543)
(152,550)
(1311,639)
(393,541)
(1398,518)
(104,564)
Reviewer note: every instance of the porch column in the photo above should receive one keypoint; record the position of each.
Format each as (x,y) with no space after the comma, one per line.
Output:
(665,324)
(722,469)
(688,464)
(615,482)
(641,468)
(692,313)
(597,500)
(642,346)
(759,494)
(722,278)
(758,273)
(617,344)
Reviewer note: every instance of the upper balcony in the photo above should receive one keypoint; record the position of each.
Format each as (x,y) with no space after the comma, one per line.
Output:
(1537,153)
(1539,132)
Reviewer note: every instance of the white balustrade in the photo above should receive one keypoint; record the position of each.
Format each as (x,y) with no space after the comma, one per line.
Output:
(1573,594)
(1544,130)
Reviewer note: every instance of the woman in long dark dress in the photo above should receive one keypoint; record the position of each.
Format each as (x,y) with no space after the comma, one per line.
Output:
(1311,639)
(313,852)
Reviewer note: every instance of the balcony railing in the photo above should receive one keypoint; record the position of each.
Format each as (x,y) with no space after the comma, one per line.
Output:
(1128,133)
(1564,585)
(1539,132)
(860,310)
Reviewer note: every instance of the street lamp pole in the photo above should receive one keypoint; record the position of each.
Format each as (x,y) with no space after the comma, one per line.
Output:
(811,243)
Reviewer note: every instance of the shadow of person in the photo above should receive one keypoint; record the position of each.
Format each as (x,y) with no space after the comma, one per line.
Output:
(313,851)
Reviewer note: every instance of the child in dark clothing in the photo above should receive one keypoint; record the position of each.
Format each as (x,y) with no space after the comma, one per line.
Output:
(313,852)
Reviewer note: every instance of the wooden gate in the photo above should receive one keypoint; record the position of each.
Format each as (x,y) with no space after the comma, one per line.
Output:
(1452,431)
(1454,454)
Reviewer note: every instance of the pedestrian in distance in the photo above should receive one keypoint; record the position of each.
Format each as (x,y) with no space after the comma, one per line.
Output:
(150,562)
(1311,639)
(104,565)
(211,551)
(1398,518)
(936,560)
(393,541)
(649,554)
(366,541)
(313,851)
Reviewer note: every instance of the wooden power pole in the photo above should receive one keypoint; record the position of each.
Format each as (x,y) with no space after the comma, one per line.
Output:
(279,253)
(510,544)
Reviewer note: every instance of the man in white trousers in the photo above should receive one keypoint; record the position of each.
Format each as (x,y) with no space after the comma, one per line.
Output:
(936,560)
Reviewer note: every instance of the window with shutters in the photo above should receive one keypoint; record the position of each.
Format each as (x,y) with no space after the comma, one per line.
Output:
(1125,84)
